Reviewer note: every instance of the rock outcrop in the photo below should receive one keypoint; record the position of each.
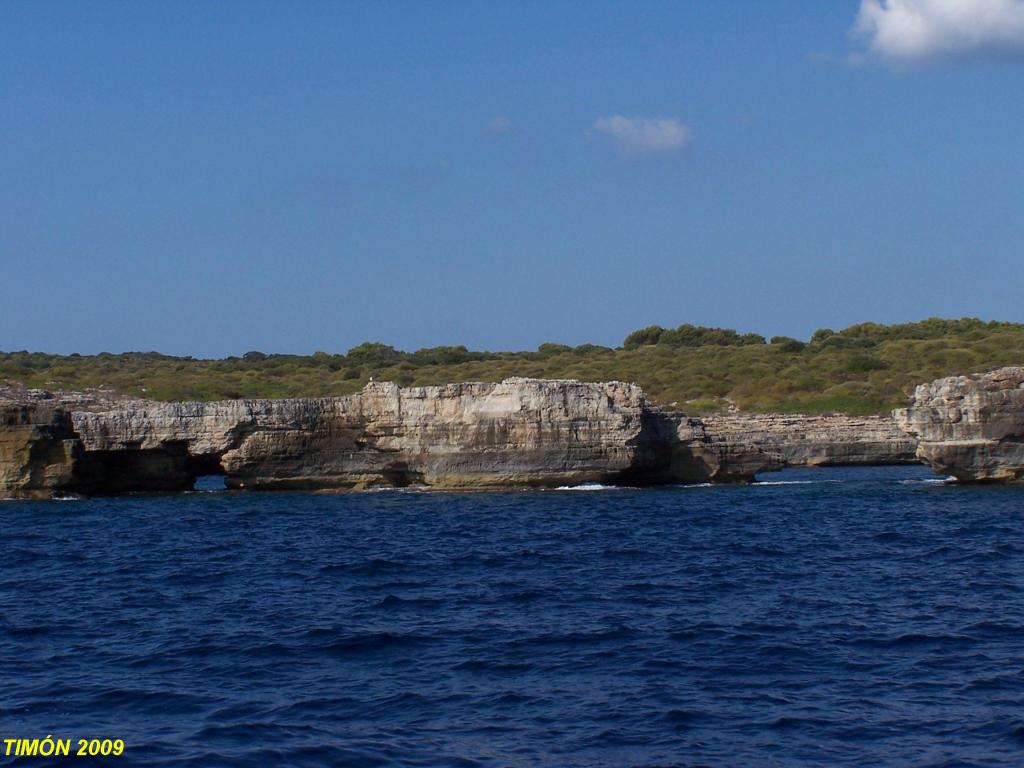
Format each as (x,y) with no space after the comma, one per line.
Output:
(36,449)
(40,454)
(800,440)
(971,427)
(517,433)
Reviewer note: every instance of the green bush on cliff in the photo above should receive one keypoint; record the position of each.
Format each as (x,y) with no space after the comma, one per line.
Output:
(687,335)
(866,368)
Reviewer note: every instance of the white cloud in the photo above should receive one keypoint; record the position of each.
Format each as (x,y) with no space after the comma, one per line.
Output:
(644,136)
(499,124)
(908,31)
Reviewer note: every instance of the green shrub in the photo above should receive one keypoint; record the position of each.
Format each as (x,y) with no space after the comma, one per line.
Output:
(787,344)
(866,368)
(549,348)
(649,335)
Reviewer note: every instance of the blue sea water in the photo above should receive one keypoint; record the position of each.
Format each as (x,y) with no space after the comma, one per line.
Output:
(858,617)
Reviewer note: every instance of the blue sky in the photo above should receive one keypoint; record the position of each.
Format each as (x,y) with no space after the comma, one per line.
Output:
(210,178)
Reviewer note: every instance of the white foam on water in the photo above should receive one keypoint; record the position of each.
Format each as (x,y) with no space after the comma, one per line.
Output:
(587,487)
(950,480)
(50,498)
(795,482)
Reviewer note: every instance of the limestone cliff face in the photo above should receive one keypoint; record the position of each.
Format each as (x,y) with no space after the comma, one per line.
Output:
(971,427)
(36,448)
(520,432)
(517,433)
(800,440)
(39,450)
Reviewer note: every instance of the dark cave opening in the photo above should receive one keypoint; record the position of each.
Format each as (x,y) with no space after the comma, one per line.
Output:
(207,472)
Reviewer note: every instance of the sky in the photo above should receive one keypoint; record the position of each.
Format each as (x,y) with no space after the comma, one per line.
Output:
(210,178)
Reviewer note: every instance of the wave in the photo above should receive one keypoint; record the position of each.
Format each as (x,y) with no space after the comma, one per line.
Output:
(66,497)
(589,487)
(397,489)
(795,482)
(578,637)
(950,480)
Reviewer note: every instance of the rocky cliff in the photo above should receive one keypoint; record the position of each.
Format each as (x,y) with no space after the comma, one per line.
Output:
(36,446)
(517,433)
(971,427)
(800,440)
(39,450)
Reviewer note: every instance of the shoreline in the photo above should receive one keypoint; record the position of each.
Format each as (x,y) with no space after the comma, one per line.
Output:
(519,434)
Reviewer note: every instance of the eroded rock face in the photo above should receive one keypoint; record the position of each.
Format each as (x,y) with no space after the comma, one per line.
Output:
(39,450)
(971,427)
(520,432)
(36,448)
(517,433)
(800,440)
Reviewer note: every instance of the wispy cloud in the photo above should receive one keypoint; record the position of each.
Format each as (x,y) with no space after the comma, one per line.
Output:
(912,31)
(635,137)
(499,124)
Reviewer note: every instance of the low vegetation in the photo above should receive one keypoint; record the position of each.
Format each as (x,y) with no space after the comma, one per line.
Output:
(866,368)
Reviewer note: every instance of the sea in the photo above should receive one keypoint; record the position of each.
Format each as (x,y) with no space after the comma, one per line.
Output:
(826,617)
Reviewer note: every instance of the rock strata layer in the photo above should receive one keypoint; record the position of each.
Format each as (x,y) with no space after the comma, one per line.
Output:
(517,433)
(800,440)
(971,427)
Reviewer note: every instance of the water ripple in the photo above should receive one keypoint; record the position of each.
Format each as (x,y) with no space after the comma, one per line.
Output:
(840,618)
